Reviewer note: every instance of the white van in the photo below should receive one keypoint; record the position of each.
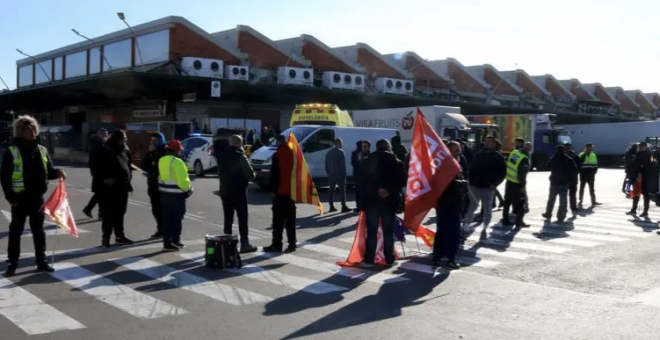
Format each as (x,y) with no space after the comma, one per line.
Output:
(316,141)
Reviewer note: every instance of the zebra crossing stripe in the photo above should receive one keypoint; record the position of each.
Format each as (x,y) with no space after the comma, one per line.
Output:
(30,313)
(333,269)
(521,245)
(598,228)
(560,233)
(620,223)
(565,241)
(277,278)
(50,228)
(114,294)
(192,283)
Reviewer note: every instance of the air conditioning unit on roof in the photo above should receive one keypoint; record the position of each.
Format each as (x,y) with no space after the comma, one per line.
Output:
(389,85)
(295,76)
(235,72)
(344,81)
(407,88)
(202,67)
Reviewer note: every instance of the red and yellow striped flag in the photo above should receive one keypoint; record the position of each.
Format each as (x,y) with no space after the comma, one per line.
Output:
(302,185)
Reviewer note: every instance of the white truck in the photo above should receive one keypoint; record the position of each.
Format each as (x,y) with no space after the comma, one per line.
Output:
(448,122)
(611,140)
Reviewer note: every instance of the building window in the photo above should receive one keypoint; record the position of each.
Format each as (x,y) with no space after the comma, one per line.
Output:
(25,74)
(76,65)
(44,72)
(94,60)
(59,68)
(154,47)
(117,55)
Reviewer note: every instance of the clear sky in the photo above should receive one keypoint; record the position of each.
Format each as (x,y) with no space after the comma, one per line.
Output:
(608,41)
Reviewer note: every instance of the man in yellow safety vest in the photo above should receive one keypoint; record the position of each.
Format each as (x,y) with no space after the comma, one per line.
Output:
(25,171)
(175,187)
(588,169)
(517,168)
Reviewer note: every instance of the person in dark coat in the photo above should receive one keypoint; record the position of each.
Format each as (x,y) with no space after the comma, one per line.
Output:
(643,166)
(284,208)
(398,149)
(24,175)
(488,171)
(335,167)
(95,145)
(383,177)
(467,151)
(629,165)
(573,187)
(115,174)
(562,171)
(362,150)
(235,175)
(150,166)
(448,209)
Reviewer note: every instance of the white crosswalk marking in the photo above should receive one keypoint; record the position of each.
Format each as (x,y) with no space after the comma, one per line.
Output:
(559,232)
(119,296)
(30,313)
(214,290)
(50,228)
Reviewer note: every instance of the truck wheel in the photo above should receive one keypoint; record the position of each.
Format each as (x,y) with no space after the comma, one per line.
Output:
(198,169)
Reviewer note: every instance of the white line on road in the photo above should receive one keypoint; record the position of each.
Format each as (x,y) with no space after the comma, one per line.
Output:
(277,278)
(521,245)
(595,229)
(30,313)
(333,269)
(566,241)
(192,283)
(119,296)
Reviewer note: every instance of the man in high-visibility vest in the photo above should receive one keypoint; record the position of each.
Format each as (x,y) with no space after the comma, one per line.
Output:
(175,187)
(517,168)
(24,174)
(588,170)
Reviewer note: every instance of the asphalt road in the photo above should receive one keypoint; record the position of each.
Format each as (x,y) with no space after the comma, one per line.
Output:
(594,278)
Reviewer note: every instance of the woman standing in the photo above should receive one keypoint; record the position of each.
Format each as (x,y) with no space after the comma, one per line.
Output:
(115,173)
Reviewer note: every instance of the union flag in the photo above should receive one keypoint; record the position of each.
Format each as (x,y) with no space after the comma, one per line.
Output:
(302,185)
(58,209)
(430,171)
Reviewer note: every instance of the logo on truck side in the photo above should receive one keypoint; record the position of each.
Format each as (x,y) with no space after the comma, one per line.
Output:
(408,121)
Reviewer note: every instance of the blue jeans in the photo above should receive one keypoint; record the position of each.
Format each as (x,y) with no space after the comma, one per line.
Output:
(174,208)
(448,233)
(383,214)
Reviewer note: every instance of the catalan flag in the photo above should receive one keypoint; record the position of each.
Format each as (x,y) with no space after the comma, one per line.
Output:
(302,185)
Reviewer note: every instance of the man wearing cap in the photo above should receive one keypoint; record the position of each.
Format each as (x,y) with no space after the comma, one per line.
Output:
(572,188)
(175,187)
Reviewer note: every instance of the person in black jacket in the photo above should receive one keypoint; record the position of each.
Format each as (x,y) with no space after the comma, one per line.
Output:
(24,174)
(383,176)
(573,187)
(486,173)
(362,150)
(115,174)
(95,146)
(629,165)
(448,220)
(562,171)
(150,166)
(235,176)
(643,167)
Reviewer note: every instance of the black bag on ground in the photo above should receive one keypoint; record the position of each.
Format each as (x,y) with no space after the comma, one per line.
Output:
(222,251)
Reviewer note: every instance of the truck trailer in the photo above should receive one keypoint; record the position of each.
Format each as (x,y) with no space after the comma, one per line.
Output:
(448,122)
(611,140)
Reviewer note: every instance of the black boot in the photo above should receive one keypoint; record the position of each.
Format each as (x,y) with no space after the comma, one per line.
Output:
(45,267)
(11,270)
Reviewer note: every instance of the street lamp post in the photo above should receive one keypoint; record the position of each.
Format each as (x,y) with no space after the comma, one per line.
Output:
(35,61)
(122,17)
(93,42)
(3,82)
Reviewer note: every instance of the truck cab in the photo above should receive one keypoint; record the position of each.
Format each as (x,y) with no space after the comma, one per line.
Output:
(546,139)
(478,133)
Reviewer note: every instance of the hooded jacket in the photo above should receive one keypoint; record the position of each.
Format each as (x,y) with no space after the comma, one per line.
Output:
(235,172)
(150,161)
(488,169)
(562,167)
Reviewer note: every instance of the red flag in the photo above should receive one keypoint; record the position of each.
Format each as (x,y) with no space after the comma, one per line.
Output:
(356,256)
(58,209)
(430,171)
